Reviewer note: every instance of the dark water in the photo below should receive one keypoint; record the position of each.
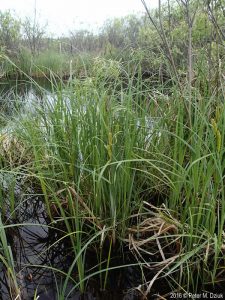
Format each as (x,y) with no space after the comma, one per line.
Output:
(30,244)
(35,253)
(32,250)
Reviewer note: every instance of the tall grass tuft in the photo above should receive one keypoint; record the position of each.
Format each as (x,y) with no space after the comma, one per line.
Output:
(120,162)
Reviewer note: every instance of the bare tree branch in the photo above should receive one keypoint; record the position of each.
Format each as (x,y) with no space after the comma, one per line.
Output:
(160,30)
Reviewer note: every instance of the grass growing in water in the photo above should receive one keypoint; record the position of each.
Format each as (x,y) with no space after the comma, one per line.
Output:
(120,163)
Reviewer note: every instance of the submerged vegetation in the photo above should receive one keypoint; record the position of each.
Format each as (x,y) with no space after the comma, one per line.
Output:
(123,162)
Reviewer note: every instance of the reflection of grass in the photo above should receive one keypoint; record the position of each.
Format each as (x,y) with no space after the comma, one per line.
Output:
(8,267)
(112,177)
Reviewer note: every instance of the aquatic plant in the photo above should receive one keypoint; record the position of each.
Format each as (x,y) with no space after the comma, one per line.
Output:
(125,165)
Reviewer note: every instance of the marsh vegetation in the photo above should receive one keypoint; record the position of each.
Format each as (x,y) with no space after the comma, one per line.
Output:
(112,172)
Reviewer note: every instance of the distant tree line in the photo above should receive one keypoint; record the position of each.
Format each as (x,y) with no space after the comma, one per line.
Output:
(185,31)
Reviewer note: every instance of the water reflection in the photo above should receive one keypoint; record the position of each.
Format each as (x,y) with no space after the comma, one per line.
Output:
(15,95)
(32,249)
(31,243)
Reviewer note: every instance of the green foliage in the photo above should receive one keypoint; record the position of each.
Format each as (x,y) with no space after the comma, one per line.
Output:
(124,39)
(9,31)
(51,61)
(123,160)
